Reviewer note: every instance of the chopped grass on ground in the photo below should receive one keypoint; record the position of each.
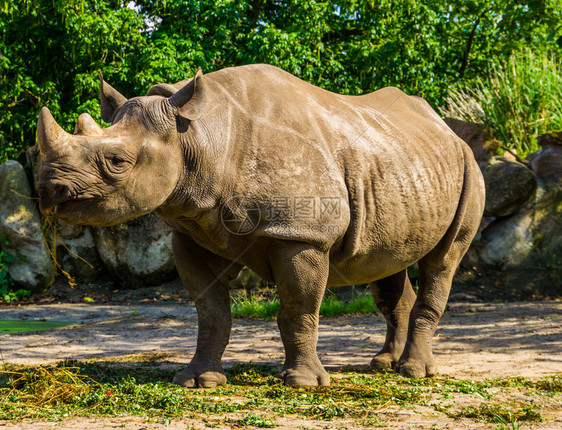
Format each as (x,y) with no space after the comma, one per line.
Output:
(254,395)
(252,307)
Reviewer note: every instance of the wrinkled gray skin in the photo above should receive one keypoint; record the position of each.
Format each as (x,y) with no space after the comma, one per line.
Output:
(408,190)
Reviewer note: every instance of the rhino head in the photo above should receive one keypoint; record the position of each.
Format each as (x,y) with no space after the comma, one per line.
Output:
(107,176)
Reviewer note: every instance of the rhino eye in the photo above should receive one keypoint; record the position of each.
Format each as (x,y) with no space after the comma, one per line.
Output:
(117,161)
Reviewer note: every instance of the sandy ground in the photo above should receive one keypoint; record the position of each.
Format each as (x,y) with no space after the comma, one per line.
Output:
(473,341)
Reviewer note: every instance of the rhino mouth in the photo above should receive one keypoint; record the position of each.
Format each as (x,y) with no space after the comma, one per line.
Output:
(73,206)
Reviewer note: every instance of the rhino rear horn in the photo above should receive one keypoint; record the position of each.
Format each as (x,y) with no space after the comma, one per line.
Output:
(50,135)
(86,126)
(110,100)
(191,99)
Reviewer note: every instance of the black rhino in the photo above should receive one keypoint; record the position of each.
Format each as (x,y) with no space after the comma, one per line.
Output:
(254,167)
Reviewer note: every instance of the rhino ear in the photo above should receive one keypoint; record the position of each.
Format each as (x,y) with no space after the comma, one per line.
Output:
(110,100)
(192,98)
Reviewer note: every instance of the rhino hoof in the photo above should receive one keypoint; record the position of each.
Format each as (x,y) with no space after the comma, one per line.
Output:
(416,370)
(305,377)
(187,378)
(383,363)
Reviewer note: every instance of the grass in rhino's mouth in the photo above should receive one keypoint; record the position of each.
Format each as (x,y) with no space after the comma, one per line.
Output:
(255,396)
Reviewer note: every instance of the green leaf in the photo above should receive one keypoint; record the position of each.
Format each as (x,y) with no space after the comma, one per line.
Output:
(9,258)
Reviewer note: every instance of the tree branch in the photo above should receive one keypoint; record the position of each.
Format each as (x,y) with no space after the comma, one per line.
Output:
(525,162)
(469,44)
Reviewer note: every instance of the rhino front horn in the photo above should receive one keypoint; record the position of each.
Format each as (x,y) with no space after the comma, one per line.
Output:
(50,135)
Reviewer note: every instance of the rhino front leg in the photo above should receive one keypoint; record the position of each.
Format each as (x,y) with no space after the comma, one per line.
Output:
(394,297)
(301,274)
(206,277)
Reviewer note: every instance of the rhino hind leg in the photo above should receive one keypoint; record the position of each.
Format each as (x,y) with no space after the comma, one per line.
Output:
(435,283)
(436,271)
(301,275)
(394,297)
(206,278)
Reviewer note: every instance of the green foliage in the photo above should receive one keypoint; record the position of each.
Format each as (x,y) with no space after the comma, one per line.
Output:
(50,51)
(49,55)
(251,307)
(5,280)
(7,294)
(518,99)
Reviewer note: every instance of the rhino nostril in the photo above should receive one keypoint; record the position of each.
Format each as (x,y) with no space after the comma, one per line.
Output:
(60,192)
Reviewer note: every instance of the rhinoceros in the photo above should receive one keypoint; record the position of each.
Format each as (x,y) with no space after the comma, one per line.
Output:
(252,166)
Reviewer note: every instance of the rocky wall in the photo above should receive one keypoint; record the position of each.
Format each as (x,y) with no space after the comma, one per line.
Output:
(518,249)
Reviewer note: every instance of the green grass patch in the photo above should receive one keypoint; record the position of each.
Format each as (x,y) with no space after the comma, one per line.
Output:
(254,395)
(360,305)
(18,326)
(251,307)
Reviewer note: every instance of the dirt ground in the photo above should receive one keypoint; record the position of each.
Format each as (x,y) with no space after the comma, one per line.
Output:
(473,341)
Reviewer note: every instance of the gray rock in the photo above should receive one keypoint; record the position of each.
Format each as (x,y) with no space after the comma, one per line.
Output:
(477,136)
(508,243)
(77,254)
(138,252)
(68,231)
(528,239)
(509,187)
(33,159)
(547,163)
(20,223)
